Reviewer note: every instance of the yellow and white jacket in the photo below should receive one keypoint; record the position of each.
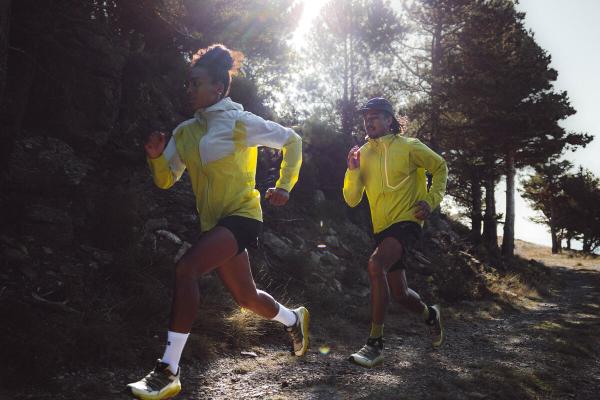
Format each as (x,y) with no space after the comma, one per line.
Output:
(219,149)
(392,171)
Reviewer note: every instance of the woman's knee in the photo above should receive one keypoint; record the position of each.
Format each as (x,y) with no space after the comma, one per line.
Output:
(185,270)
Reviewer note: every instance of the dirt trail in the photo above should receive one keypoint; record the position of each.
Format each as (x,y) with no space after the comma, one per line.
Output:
(536,347)
(546,349)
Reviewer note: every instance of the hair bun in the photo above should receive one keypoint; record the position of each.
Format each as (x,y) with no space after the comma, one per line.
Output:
(219,57)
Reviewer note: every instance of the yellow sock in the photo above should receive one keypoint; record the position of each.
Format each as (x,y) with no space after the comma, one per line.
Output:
(426,313)
(376,330)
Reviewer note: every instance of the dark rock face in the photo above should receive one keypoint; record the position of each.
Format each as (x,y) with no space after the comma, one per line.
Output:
(40,164)
(50,225)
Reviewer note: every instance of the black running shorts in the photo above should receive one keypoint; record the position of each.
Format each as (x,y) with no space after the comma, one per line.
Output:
(245,230)
(408,233)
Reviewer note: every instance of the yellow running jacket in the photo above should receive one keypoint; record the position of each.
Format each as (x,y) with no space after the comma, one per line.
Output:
(392,171)
(219,149)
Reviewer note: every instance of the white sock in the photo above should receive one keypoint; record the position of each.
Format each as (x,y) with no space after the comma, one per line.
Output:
(175,343)
(286,316)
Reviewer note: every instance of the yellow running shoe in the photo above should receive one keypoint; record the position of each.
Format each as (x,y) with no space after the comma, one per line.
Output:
(159,384)
(370,355)
(436,328)
(299,332)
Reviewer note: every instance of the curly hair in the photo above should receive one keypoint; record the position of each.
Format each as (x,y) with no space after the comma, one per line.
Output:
(220,62)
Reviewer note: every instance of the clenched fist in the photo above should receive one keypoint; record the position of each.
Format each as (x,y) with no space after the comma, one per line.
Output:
(155,145)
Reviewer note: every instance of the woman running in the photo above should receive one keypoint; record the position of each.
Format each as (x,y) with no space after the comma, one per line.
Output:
(219,149)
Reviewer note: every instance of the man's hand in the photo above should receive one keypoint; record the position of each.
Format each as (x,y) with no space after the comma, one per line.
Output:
(422,210)
(354,158)
(155,145)
(277,196)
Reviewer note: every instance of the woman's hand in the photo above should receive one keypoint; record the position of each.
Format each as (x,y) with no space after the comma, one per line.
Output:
(277,196)
(155,145)
(354,158)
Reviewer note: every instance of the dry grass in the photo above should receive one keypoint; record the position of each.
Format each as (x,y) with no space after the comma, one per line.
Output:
(569,258)
(244,328)
(513,288)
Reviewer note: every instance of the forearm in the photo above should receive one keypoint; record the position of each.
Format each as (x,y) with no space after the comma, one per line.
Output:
(290,164)
(353,187)
(161,172)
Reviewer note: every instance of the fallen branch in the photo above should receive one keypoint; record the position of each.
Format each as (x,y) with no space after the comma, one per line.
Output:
(53,305)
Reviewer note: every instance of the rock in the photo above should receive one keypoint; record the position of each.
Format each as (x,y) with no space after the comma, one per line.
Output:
(249,354)
(103,257)
(182,250)
(277,245)
(297,241)
(155,224)
(337,284)
(45,163)
(357,233)
(332,241)
(330,258)
(319,197)
(170,236)
(314,258)
(14,255)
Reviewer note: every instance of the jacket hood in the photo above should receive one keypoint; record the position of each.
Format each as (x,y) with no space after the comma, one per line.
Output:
(225,104)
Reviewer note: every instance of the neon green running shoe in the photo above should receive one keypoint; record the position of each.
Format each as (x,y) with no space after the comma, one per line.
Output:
(436,328)
(370,355)
(159,384)
(299,332)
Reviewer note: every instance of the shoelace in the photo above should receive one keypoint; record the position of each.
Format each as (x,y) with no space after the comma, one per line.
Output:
(368,351)
(296,335)
(156,379)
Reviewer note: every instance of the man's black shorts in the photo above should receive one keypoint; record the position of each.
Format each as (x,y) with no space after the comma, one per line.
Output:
(245,230)
(408,233)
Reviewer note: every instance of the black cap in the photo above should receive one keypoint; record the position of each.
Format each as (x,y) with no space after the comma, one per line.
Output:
(381,104)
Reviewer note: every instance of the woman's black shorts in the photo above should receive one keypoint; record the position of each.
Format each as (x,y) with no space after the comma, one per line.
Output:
(245,230)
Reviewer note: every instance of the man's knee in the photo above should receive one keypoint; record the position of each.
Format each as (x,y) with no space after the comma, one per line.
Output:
(401,296)
(374,268)
(406,296)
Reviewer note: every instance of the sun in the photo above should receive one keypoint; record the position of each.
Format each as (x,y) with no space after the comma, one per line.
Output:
(311,10)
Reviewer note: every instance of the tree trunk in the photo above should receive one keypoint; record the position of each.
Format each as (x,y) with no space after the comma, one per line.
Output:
(4,31)
(554,232)
(476,218)
(436,57)
(555,242)
(568,243)
(508,239)
(490,228)
(587,245)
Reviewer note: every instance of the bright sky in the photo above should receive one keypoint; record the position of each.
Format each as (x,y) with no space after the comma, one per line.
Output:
(569,31)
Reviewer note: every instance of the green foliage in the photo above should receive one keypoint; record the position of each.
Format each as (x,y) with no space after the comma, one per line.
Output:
(348,57)
(568,202)
(325,153)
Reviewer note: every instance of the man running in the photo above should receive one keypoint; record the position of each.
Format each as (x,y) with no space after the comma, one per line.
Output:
(391,169)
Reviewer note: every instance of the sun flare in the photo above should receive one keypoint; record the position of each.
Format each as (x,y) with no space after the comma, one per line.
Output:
(310,12)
